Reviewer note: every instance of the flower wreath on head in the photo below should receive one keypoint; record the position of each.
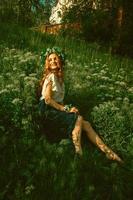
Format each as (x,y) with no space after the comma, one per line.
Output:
(48,51)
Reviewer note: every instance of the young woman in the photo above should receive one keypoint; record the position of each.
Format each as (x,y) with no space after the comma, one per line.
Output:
(65,118)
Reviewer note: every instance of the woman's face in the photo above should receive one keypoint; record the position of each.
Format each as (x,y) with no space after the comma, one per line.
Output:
(53,61)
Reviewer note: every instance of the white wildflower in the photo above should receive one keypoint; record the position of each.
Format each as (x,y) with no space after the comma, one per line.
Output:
(88,77)
(22,61)
(118,99)
(126,100)
(16,82)
(108,95)
(29,189)
(86,66)
(6,48)
(96,62)
(105,65)
(117,82)
(105,78)
(16,90)
(29,59)
(65,142)
(6,59)
(13,50)
(8,74)
(30,83)
(114,76)
(22,75)
(16,101)
(98,76)
(34,79)
(30,79)
(28,54)
(24,121)
(102,86)
(20,57)
(130,89)
(16,56)
(117,91)
(95,108)
(111,88)
(70,64)
(122,83)
(9,86)
(59,150)
(113,108)
(95,74)
(27,78)
(4,91)
(78,86)
(32,75)
(103,71)
(121,71)
(120,77)
(110,80)
(14,68)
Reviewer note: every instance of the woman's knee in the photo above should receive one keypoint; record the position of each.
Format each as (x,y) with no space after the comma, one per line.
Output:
(80,118)
(86,123)
(79,122)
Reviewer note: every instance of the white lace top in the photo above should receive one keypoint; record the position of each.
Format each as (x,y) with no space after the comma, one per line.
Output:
(58,89)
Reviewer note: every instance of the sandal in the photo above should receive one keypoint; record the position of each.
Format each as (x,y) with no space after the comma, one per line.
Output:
(113,156)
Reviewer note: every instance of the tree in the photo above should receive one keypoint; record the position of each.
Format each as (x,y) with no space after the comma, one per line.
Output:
(27,12)
(95,18)
(108,21)
(124,27)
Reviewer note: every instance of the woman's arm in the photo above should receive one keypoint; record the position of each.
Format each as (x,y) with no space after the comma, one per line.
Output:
(53,103)
(49,100)
(74,109)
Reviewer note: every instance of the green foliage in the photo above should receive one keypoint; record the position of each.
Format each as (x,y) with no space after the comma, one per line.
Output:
(31,167)
(96,24)
(113,123)
(100,23)
(126,40)
(27,13)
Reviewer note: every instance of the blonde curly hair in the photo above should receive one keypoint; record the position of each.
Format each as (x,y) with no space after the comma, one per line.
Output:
(47,70)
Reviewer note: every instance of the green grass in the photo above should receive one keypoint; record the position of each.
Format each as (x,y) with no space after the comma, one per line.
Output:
(32,168)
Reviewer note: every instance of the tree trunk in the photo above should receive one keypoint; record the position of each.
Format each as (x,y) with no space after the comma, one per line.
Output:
(119,19)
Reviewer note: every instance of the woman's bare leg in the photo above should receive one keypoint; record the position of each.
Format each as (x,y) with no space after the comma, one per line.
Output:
(95,139)
(76,135)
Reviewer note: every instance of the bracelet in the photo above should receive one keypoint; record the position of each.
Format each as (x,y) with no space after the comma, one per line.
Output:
(67,107)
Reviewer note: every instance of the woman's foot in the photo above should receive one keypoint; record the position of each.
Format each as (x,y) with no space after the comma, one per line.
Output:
(79,152)
(113,156)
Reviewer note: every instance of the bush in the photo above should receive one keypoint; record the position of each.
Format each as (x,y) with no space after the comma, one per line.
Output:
(113,122)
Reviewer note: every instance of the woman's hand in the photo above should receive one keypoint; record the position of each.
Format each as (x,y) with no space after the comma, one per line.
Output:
(74,109)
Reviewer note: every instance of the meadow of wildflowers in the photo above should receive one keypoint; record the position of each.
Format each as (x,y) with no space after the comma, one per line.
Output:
(31,167)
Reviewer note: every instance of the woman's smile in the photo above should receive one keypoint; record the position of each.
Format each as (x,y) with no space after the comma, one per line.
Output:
(53,61)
